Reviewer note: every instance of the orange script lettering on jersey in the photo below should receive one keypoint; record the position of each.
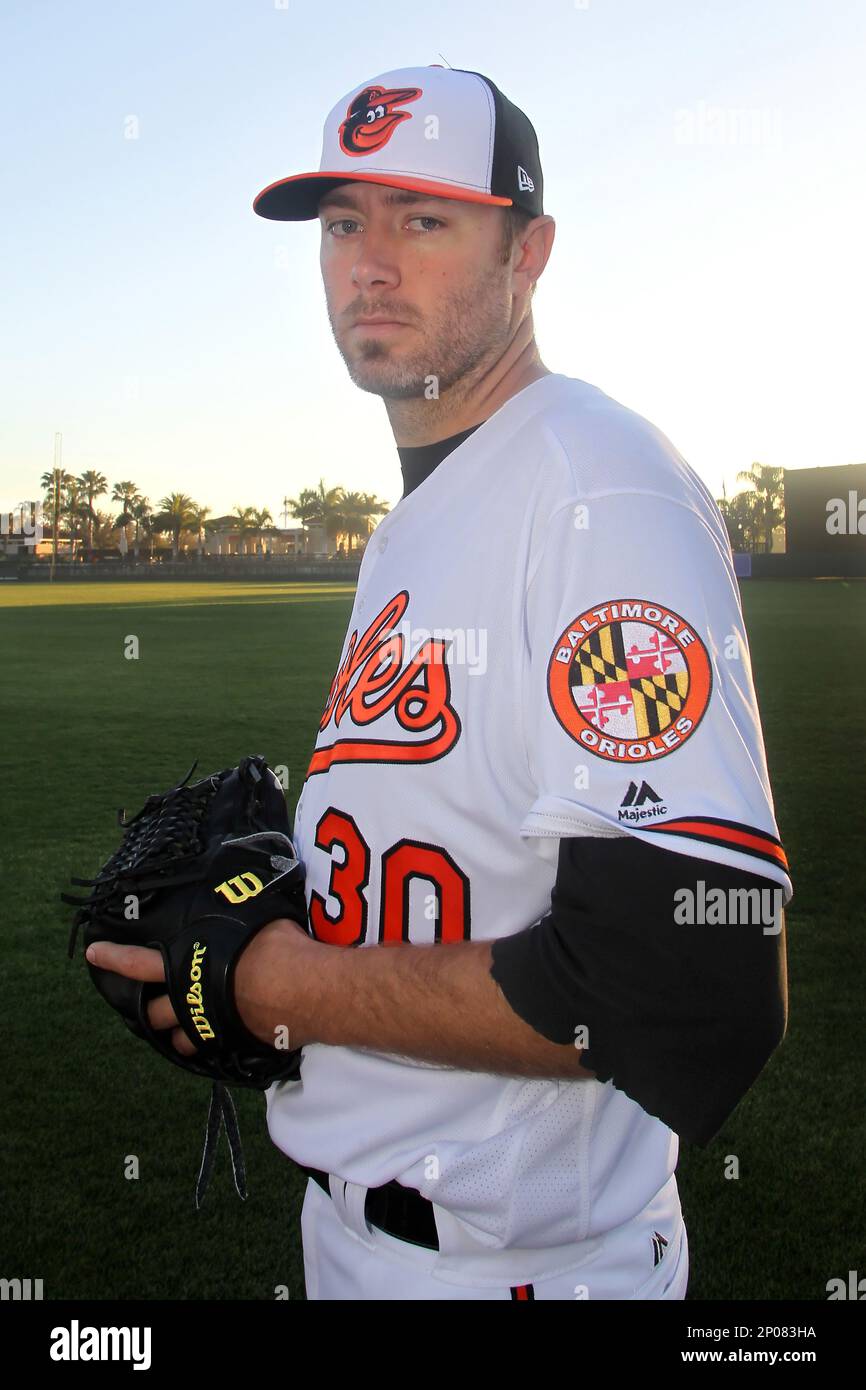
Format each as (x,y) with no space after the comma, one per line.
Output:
(372,681)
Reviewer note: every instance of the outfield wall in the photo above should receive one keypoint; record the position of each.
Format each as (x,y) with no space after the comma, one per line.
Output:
(281,570)
(808,564)
(831,563)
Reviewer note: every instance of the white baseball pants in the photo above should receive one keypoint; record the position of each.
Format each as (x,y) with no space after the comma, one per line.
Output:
(364,1263)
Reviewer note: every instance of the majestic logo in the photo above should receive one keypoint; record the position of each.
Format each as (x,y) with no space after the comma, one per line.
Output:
(629,680)
(371,119)
(659,1247)
(635,798)
(373,682)
(242,886)
(194,994)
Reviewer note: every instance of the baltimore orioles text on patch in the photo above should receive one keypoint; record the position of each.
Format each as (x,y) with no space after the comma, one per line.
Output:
(630,680)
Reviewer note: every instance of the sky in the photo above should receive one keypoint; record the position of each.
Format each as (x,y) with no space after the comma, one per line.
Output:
(703,160)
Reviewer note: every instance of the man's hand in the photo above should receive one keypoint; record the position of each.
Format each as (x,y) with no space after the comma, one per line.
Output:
(269,950)
(141,963)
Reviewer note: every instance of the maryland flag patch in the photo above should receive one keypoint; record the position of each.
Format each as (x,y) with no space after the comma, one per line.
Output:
(630,680)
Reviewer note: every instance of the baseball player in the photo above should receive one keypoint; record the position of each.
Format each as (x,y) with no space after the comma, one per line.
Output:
(538,801)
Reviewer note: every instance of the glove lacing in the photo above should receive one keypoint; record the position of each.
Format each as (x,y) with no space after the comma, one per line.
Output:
(221,1112)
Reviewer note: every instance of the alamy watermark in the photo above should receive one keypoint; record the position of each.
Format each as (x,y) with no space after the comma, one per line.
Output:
(719,907)
(77,1343)
(846,516)
(20,1290)
(705,124)
(24,522)
(459,646)
(853,1288)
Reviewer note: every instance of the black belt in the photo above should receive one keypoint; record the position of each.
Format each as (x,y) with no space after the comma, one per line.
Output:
(397,1210)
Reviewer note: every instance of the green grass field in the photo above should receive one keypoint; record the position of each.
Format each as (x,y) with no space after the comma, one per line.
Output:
(228,669)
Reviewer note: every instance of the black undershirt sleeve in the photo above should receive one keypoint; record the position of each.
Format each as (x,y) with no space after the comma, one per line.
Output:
(682,1018)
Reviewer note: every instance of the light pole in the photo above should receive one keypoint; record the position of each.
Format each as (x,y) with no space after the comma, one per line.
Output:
(58,450)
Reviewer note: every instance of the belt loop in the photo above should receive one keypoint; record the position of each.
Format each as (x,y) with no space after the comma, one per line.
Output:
(349,1200)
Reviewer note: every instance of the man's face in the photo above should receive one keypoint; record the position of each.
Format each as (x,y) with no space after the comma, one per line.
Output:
(433,265)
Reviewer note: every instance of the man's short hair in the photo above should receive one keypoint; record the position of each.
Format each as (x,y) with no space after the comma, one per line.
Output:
(514,223)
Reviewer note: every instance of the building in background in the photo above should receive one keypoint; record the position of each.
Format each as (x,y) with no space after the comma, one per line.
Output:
(223,536)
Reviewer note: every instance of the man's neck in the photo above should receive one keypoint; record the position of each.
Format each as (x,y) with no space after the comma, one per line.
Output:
(470,401)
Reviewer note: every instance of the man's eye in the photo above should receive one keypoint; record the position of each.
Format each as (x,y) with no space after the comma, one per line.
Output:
(422,218)
(351,222)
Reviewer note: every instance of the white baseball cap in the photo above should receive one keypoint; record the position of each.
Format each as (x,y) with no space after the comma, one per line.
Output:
(437,130)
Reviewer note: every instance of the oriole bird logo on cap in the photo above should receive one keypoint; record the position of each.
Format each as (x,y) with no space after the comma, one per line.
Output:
(371,120)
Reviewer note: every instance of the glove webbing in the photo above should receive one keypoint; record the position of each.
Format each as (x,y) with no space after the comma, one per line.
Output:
(165,834)
(221,1112)
(161,848)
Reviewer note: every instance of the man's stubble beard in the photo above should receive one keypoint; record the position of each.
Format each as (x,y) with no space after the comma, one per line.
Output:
(472,325)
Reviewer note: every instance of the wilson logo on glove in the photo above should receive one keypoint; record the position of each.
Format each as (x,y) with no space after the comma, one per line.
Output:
(193,997)
(237,889)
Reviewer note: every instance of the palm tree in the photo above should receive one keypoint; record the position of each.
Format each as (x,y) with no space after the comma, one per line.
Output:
(126,494)
(246,522)
(93,484)
(199,517)
(354,516)
(742,519)
(74,508)
(329,510)
(142,514)
(304,508)
(372,507)
(768,486)
(104,527)
(176,515)
(54,484)
(261,518)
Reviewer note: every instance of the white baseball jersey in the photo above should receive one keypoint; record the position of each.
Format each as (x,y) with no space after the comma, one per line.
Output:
(548,623)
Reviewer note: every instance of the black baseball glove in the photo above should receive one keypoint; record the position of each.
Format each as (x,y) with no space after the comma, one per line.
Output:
(201,869)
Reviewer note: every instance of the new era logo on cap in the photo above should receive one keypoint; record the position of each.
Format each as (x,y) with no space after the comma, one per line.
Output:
(445,131)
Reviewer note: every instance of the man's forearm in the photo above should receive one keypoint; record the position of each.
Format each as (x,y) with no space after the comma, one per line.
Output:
(435,1003)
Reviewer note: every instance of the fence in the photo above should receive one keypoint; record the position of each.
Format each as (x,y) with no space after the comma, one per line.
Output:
(809,564)
(275,568)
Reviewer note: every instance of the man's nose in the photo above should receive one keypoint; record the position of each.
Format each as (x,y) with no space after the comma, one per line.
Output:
(376,263)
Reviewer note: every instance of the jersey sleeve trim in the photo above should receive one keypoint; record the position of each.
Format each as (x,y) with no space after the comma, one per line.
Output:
(722,841)
(711,830)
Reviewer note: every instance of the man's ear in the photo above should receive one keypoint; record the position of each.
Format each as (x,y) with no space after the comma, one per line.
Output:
(536,244)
